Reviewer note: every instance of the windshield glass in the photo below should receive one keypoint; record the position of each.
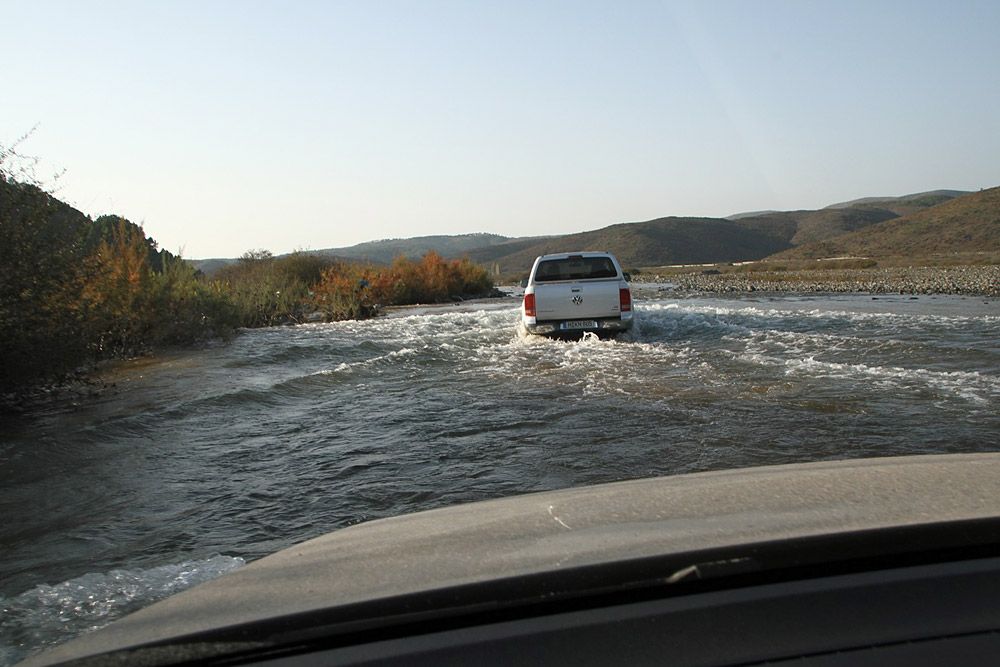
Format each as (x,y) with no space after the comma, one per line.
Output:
(575,268)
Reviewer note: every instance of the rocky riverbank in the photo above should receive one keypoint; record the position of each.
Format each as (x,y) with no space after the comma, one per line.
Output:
(966,280)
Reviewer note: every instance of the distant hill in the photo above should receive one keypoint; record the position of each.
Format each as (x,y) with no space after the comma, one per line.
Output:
(669,240)
(384,251)
(210,266)
(656,242)
(970,223)
(741,237)
(798,227)
(750,214)
(492,254)
(905,204)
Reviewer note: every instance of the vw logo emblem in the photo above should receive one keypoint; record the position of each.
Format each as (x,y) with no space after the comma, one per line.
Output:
(578,299)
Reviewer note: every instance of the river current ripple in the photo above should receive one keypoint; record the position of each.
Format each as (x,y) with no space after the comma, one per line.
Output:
(200,461)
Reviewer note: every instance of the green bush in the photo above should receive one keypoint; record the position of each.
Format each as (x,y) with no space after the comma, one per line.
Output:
(264,291)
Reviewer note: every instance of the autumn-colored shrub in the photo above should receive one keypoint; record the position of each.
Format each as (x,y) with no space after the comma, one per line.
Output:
(344,293)
(115,293)
(127,306)
(434,279)
(349,291)
(74,291)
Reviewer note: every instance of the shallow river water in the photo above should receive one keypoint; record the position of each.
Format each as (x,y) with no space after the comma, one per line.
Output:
(197,462)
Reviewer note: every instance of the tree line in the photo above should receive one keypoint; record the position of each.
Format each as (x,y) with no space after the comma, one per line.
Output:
(75,291)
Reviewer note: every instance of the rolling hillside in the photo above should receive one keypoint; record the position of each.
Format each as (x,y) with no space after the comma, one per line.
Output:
(906,204)
(656,242)
(384,251)
(689,240)
(798,227)
(751,236)
(966,224)
(917,224)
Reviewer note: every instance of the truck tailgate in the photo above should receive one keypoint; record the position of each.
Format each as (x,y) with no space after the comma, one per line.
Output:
(573,300)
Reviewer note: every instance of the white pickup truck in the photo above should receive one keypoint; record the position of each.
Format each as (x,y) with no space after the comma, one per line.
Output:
(572,293)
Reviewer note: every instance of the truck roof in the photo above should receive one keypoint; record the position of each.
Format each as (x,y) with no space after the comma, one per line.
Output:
(582,253)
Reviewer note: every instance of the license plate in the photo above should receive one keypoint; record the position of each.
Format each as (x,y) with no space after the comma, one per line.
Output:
(579,324)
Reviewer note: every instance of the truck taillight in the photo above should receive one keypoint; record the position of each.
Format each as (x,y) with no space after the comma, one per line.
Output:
(625,299)
(529,305)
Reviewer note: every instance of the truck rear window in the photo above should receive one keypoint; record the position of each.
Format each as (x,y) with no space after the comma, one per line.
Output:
(575,268)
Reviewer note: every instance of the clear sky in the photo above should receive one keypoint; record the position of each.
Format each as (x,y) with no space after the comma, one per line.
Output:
(223,126)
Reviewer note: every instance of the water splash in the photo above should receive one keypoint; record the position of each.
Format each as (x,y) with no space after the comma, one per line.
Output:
(50,614)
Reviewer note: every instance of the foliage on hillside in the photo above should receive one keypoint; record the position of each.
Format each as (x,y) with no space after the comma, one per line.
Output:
(127,303)
(967,224)
(40,258)
(75,291)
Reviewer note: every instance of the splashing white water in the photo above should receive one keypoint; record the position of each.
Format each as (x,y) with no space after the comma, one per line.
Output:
(50,614)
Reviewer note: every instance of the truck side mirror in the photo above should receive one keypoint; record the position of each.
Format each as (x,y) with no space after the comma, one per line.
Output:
(524,282)
(627,276)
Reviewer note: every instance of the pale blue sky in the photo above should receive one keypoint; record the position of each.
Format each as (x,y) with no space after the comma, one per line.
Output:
(225,126)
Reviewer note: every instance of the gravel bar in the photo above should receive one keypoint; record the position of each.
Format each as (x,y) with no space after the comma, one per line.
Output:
(968,280)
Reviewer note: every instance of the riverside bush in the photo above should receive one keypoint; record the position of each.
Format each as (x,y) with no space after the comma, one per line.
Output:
(352,291)
(262,294)
(128,306)
(41,251)
(75,291)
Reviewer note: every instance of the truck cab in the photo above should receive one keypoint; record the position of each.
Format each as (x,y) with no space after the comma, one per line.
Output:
(572,293)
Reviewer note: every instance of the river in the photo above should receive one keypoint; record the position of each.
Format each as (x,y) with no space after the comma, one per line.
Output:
(196,462)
